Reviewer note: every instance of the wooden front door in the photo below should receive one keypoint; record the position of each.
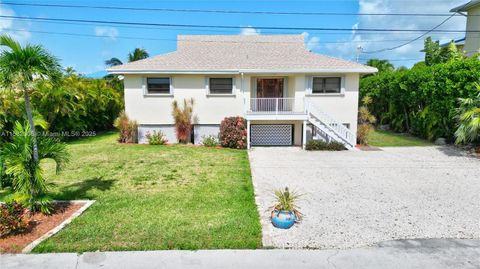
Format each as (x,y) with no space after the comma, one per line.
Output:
(269,87)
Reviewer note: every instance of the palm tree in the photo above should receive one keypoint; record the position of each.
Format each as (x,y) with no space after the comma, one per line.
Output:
(381,65)
(135,55)
(468,116)
(20,68)
(138,54)
(113,62)
(26,172)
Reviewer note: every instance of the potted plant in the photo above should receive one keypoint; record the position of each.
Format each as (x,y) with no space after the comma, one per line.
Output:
(285,211)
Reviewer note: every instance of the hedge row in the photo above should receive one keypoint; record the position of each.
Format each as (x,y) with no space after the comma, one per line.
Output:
(422,100)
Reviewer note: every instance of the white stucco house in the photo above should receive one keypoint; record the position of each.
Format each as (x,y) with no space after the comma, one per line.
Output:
(471,42)
(286,93)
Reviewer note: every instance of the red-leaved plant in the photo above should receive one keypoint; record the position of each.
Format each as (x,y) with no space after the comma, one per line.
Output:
(183,120)
(233,133)
(13,218)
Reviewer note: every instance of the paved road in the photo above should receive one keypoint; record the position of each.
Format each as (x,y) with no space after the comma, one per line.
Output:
(359,198)
(438,254)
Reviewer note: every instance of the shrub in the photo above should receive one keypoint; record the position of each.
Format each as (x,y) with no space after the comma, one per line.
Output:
(365,121)
(233,133)
(468,117)
(422,100)
(322,145)
(210,141)
(183,120)
(13,218)
(128,129)
(156,138)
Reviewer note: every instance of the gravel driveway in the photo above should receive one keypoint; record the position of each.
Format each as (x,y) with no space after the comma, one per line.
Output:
(358,198)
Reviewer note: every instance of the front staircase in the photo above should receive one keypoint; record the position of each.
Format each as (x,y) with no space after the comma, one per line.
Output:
(328,127)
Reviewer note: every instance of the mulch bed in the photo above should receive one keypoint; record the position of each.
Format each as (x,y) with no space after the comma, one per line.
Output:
(40,224)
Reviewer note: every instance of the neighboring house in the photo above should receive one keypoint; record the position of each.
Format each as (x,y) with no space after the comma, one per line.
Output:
(286,93)
(459,43)
(472,38)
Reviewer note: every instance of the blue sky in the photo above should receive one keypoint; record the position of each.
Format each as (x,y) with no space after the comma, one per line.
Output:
(87,54)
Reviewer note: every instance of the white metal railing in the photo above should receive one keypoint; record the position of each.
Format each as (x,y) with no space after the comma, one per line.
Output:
(336,127)
(271,105)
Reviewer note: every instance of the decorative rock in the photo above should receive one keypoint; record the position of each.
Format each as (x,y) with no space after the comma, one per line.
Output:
(384,127)
(440,141)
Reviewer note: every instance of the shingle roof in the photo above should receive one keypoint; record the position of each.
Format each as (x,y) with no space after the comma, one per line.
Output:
(239,53)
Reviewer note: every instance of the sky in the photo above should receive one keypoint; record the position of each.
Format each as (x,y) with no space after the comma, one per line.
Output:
(99,42)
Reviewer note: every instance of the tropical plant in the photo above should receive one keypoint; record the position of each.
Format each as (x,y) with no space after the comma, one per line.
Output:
(26,172)
(436,54)
(138,54)
(183,120)
(13,218)
(156,138)
(365,121)
(128,128)
(20,69)
(287,200)
(210,141)
(422,100)
(135,55)
(233,133)
(468,117)
(382,65)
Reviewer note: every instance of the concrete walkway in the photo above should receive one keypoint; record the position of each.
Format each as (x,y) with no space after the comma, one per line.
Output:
(433,253)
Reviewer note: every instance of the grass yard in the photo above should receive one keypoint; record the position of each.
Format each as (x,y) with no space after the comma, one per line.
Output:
(155,197)
(379,138)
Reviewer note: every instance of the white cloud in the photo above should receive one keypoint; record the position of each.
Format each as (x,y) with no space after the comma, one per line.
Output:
(411,51)
(109,32)
(313,42)
(18,30)
(249,30)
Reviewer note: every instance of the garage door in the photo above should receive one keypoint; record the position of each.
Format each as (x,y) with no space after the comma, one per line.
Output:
(271,135)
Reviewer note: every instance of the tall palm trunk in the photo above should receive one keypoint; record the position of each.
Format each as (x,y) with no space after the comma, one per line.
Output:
(28,109)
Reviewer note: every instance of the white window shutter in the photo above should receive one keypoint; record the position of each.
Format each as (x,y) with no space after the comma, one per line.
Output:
(144,85)
(308,84)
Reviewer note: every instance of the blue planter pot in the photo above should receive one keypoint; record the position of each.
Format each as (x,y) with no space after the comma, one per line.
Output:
(283,219)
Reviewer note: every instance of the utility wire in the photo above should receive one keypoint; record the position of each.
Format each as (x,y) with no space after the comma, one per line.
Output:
(225,11)
(188,40)
(237,27)
(411,41)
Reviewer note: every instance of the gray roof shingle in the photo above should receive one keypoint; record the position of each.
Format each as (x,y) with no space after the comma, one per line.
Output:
(239,53)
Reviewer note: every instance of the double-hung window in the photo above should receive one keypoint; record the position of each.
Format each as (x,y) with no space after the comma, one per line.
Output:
(160,85)
(326,85)
(220,85)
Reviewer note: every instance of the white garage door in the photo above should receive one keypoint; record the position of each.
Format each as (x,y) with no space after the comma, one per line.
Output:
(271,135)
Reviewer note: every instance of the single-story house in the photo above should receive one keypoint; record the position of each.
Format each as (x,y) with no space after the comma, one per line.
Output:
(286,93)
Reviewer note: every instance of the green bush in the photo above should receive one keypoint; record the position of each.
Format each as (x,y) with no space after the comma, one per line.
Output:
(322,145)
(13,218)
(210,141)
(422,100)
(156,138)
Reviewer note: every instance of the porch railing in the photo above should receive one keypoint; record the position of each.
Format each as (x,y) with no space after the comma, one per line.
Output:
(271,105)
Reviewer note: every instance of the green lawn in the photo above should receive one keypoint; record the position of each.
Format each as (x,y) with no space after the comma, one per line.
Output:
(155,197)
(379,138)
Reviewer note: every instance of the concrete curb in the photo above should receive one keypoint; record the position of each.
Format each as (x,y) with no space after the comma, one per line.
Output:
(55,230)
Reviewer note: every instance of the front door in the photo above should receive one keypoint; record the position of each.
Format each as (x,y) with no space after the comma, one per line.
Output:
(268,89)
